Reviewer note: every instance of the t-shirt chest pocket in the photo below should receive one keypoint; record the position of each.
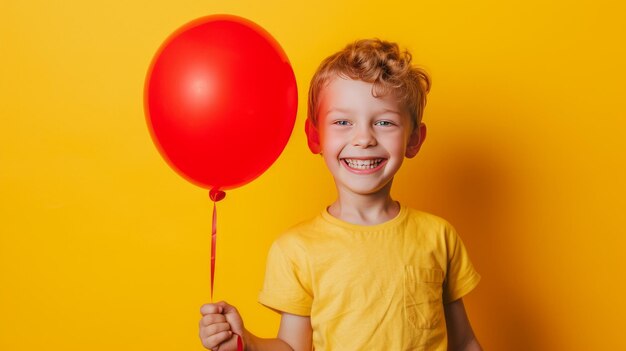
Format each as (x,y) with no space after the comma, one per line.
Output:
(423,304)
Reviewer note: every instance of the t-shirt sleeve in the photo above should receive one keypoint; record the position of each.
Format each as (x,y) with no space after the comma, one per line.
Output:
(461,277)
(287,284)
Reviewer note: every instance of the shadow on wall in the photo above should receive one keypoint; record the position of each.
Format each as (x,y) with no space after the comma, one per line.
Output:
(477,186)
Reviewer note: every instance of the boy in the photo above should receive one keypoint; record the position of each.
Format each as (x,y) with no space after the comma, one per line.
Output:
(367,273)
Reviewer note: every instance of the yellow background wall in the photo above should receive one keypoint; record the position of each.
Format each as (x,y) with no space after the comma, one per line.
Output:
(103,247)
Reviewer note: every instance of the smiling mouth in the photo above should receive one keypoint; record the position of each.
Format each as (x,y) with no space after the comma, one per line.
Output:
(363,164)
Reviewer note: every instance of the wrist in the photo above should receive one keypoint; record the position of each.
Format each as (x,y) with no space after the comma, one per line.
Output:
(247,339)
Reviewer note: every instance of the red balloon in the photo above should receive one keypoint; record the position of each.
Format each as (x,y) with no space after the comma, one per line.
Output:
(220,101)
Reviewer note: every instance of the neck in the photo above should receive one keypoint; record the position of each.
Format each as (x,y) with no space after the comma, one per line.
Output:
(369,209)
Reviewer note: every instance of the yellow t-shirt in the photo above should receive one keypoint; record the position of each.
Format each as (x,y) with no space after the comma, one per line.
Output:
(379,287)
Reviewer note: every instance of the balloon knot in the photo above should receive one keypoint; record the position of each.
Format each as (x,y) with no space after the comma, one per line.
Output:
(216,195)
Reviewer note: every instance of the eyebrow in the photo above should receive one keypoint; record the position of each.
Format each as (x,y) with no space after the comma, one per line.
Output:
(346,111)
(337,110)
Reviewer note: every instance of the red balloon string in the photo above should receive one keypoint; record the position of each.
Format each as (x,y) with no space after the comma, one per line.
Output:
(239,343)
(217,195)
(213,244)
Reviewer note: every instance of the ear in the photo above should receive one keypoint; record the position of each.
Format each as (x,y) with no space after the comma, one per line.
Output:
(416,139)
(312,136)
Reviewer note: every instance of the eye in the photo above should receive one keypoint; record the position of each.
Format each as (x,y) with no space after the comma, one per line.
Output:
(384,123)
(342,122)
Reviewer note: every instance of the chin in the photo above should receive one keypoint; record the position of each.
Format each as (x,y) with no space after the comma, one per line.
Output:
(368,190)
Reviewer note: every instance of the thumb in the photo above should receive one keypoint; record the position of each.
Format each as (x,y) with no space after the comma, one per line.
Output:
(222,307)
(233,318)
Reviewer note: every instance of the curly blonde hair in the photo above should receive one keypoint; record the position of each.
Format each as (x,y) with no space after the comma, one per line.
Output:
(380,63)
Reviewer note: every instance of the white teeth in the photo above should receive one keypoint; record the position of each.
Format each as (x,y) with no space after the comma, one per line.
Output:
(363,164)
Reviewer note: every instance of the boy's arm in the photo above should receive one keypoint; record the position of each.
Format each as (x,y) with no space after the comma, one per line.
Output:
(295,334)
(460,334)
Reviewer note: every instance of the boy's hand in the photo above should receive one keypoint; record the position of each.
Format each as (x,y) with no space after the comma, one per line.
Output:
(218,326)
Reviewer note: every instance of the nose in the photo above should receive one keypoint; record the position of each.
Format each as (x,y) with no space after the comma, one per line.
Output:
(363,136)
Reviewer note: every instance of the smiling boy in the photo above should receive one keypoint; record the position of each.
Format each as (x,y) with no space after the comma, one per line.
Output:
(368,272)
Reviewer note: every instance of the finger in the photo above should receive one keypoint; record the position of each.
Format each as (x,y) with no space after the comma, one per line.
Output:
(212,342)
(212,318)
(212,308)
(214,329)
